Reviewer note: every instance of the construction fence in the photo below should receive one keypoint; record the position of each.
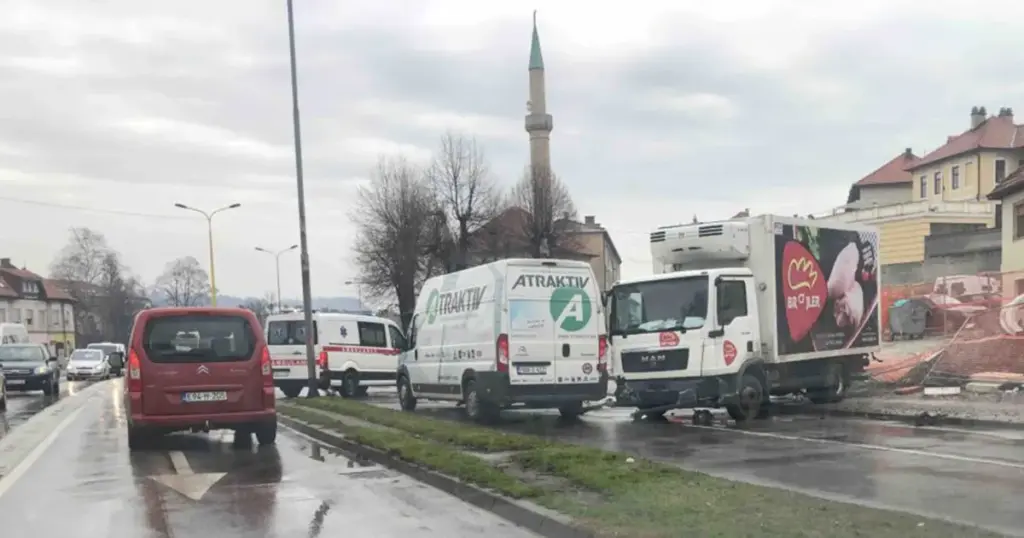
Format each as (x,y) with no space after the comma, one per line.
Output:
(954,330)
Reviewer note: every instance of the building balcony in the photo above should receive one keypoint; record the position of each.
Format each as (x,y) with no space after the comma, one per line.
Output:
(938,210)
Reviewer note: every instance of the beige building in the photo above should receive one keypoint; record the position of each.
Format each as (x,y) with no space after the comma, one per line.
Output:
(1010,195)
(41,305)
(943,192)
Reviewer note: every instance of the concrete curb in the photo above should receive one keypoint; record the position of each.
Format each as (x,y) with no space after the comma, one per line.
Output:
(915,418)
(515,512)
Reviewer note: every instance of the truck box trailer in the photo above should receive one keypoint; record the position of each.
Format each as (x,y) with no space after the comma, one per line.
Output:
(739,310)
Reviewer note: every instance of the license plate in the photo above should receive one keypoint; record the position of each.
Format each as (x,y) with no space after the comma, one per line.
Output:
(197,397)
(15,381)
(281,373)
(532,370)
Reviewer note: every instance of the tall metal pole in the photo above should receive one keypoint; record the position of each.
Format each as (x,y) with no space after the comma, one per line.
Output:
(307,294)
(213,273)
(277,260)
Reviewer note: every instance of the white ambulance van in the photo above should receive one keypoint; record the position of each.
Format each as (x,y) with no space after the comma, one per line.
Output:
(13,333)
(353,351)
(518,331)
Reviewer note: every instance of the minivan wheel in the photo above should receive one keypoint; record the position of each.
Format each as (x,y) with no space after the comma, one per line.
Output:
(476,409)
(266,432)
(136,438)
(405,394)
(349,383)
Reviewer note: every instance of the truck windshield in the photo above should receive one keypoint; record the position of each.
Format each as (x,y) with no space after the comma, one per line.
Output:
(662,305)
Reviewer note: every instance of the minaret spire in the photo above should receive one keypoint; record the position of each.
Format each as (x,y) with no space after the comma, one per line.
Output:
(539,123)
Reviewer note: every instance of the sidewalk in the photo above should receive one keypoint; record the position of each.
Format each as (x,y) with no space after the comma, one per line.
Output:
(1005,410)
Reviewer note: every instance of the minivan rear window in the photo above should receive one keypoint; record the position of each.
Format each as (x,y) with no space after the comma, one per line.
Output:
(198,338)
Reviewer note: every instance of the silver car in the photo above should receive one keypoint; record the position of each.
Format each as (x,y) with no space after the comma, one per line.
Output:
(88,364)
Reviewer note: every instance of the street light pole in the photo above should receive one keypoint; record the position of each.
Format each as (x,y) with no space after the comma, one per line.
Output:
(307,294)
(209,233)
(359,290)
(277,262)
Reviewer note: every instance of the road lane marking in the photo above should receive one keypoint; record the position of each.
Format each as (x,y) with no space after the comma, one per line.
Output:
(8,480)
(908,451)
(184,480)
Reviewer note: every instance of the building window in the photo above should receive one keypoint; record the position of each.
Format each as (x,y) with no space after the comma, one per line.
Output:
(1018,220)
(954,177)
(1000,170)
(924,186)
(938,182)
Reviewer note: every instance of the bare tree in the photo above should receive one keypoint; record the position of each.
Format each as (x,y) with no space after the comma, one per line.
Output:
(461,180)
(260,306)
(106,296)
(547,211)
(184,283)
(397,232)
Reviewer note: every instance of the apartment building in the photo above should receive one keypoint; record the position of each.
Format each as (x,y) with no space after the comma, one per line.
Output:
(46,310)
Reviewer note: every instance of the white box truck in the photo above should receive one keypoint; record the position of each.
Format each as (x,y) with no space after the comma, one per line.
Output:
(744,309)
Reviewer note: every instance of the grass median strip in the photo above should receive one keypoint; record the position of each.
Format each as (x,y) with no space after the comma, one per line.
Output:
(611,495)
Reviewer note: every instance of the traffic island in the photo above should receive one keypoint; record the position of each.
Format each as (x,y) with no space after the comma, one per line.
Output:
(562,490)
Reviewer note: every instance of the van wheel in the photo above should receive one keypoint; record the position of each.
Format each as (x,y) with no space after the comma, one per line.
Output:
(362,391)
(349,384)
(571,411)
(837,383)
(3,400)
(751,400)
(405,394)
(49,389)
(476,409)
(291,391)
(266,432)
(136,438)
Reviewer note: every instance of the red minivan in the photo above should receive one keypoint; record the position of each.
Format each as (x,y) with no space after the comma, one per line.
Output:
(198,369)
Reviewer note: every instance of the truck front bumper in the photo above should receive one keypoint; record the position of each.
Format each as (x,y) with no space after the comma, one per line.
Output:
(681,393)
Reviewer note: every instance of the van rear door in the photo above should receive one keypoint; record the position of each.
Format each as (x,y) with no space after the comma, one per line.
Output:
(578,321)
(286,339)
(196,363)
(531,331)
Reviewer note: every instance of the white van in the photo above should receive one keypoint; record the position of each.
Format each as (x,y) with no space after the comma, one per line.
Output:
(13,333)
(518,331)
(353,351)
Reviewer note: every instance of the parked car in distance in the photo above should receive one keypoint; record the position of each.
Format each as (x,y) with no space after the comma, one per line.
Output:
(29,367)
(115,355)
(219,377)
(87,364)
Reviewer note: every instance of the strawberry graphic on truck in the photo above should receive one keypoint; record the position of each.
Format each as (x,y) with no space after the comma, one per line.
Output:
(740,310)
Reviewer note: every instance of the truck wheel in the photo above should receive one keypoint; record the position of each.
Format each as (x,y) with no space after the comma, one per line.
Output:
(405,395)
(650,415)
(476,409)
(838,381)
(751,400)
(291,391)
(571,411)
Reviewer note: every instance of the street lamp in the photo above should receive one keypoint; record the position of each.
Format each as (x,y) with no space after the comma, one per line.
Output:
(359,290)
(277,262)
(209,230)
(307,294)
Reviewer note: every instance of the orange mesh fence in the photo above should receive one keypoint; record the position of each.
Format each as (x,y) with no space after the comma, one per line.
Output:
(975,332)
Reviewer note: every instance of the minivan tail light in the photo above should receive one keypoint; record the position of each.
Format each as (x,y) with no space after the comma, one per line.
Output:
(321,359)
(501,349)
(602,353)
(265,369)
(134,372)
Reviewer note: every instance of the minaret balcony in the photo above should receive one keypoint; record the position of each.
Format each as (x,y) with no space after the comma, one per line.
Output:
(539,122)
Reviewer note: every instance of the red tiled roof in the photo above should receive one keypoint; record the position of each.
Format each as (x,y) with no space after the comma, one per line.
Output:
(893,172)
(998,132)
(55,291)
(6,290)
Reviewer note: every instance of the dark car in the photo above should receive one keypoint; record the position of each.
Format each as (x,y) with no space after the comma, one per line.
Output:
(199,369)
(30,367)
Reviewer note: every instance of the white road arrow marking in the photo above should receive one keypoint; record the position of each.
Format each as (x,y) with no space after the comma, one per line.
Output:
(184,480)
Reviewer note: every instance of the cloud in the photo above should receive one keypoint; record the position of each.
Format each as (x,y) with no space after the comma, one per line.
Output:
(660,113)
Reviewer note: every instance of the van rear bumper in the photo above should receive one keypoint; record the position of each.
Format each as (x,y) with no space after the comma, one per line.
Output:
(214,422)
(495,387)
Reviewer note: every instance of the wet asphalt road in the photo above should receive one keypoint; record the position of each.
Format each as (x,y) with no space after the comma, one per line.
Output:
(86,483)
(965,475)
(22,406)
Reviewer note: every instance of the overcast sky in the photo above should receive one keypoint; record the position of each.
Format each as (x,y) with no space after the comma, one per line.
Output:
(660,112)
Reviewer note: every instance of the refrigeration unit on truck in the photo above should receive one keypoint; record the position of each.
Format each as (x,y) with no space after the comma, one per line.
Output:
(740,310)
